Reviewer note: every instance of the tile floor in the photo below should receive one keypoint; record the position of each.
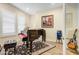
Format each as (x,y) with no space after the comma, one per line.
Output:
(58,50)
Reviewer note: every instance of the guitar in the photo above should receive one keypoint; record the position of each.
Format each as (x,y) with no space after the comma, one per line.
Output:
(72,44)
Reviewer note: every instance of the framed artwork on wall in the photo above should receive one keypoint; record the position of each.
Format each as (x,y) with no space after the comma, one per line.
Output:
(47,21)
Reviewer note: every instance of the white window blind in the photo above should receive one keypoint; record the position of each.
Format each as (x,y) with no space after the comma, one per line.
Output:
(8,22)
(21,23)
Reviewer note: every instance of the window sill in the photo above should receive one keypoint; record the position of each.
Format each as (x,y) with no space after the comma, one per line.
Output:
(6,36)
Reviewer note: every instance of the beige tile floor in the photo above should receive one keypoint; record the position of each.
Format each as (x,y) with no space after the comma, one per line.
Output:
(55,51)
(58,50)
(71,52)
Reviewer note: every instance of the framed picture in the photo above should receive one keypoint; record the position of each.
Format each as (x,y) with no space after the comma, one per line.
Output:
(47,21)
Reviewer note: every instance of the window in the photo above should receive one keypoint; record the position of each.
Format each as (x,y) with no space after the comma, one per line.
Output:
(8,23)
(21,23)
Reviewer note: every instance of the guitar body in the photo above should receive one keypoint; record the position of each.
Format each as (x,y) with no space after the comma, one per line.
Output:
(72,44)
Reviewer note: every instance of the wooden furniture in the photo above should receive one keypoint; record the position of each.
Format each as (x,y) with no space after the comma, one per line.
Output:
(35,34)
(10,45)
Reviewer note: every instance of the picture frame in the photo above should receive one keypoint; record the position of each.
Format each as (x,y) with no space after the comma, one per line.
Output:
(47,21)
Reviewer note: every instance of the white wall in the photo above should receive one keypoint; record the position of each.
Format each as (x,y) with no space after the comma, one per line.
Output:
(72,8)
(58,22)
(78,15)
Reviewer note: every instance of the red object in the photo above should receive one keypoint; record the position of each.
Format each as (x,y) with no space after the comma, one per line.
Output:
(22,36)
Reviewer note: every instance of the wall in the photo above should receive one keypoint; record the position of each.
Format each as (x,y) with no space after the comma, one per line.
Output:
(17,12)
(58,23)
(78,15)
(71,8)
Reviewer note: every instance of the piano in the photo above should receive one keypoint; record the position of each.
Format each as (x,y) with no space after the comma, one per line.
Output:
(34,34)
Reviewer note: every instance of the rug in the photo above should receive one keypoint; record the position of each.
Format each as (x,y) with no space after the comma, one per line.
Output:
(38,49)
(43,50)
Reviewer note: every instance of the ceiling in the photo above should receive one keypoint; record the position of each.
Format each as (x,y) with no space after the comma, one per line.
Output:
(32,8)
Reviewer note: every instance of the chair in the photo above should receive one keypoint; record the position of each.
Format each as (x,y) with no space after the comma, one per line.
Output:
(59,36)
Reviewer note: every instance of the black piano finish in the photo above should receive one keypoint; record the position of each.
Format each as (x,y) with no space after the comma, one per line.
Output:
(35,34)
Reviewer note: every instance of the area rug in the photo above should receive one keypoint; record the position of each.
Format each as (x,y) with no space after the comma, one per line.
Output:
(38,49)
(43,50)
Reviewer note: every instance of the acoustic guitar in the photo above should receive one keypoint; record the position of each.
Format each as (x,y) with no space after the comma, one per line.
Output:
(72,44)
